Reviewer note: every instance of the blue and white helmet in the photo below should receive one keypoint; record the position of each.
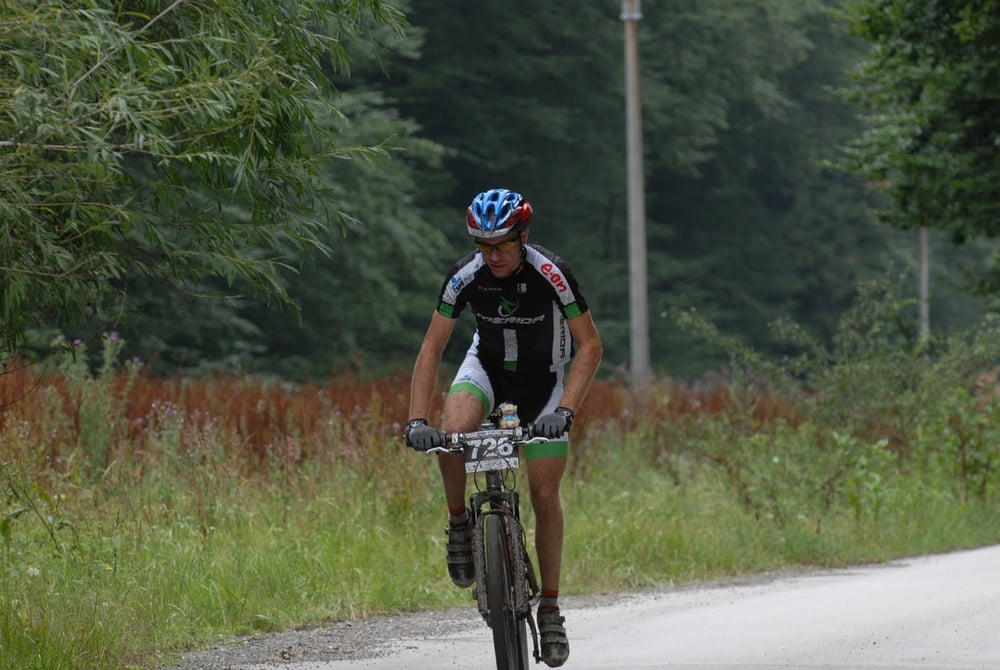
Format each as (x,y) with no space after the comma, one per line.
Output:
(496,213)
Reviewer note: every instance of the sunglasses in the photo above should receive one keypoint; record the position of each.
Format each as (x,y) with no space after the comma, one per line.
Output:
(506,245)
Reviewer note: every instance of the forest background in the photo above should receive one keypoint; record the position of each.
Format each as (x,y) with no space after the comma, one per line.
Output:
(751,111)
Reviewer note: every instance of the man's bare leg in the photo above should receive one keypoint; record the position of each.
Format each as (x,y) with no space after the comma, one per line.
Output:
(545,476)
(462,413)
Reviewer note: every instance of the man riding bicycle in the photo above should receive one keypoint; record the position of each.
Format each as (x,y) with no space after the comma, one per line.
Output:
(530,316)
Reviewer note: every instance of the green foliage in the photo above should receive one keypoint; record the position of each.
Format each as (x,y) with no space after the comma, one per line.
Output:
(958,442)
(929,88)
(362,303)
(95,398)
(369,298)
(764,229)
(132,132)
(222,174)
(28,497)
(876,422)
(739,114)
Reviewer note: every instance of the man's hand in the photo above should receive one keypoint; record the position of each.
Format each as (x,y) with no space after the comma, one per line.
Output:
(555,424)
(420,436)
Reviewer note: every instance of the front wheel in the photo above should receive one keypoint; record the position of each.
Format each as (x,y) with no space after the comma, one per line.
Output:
(510,640)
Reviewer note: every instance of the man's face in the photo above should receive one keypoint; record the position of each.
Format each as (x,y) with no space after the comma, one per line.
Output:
(502,256)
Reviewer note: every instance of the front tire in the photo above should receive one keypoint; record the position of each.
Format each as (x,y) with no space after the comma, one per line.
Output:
(510,641)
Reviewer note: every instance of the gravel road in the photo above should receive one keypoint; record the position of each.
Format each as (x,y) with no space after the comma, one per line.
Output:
(937,612)
(358,640)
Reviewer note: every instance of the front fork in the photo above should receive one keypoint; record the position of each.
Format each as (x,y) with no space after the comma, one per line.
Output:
(526,591)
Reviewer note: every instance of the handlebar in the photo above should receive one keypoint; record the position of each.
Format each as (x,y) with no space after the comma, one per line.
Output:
(454,443)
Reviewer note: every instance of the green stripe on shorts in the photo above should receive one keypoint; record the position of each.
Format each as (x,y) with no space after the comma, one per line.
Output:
(469,387)
(556,448)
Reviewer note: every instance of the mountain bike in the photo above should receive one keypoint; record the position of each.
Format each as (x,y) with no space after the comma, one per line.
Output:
(506,588)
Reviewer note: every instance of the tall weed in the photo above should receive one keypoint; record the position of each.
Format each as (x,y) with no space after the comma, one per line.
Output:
(875,418)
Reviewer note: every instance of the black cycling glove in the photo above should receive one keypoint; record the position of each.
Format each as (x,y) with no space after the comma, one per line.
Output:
(420,436)
(555,424)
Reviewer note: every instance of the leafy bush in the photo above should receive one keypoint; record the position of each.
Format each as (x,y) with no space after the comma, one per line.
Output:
(876,417)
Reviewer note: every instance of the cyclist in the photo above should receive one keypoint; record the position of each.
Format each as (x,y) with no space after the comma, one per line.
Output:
(530,316)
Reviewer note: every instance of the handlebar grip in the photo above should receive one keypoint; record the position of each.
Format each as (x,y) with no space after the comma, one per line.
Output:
(527,433)
(437,442)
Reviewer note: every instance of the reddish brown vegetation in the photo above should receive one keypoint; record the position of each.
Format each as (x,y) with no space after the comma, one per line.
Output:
(259,419)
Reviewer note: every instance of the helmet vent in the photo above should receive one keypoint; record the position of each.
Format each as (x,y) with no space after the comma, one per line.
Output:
(497,212)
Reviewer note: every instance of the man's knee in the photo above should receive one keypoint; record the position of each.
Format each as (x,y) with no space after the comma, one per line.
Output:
(462,412)
(545,494)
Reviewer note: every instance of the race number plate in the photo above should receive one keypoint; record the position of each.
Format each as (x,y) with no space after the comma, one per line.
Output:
(490,450)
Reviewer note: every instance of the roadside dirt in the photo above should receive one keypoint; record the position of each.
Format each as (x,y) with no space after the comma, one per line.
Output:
(359,640)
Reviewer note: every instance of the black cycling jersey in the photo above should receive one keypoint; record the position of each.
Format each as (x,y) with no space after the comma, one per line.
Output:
(520,319)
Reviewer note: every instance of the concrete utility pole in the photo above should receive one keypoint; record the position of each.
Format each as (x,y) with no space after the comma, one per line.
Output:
(638,289)
(924,283)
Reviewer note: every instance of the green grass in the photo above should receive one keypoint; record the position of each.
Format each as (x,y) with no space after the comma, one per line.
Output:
(143,571)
